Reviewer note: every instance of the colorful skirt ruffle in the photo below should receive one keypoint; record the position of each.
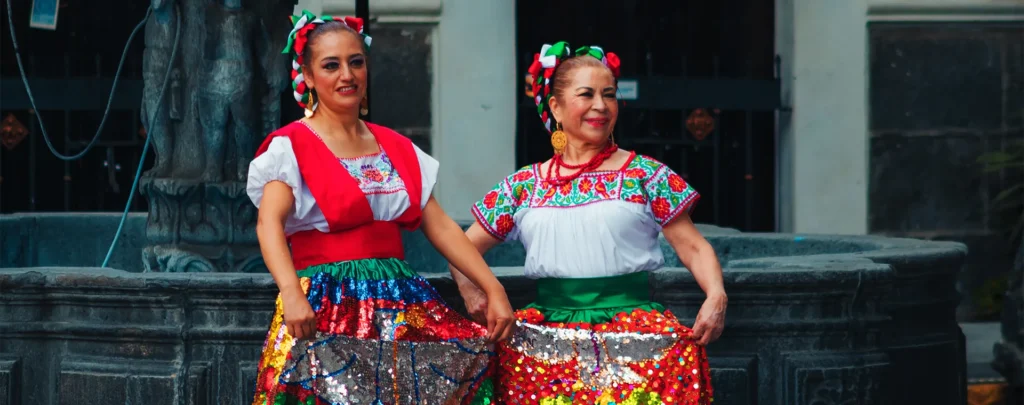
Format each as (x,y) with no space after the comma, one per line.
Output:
(601,341)
(384,336)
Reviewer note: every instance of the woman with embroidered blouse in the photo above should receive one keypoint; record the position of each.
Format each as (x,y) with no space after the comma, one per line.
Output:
(589,219)
(355,324)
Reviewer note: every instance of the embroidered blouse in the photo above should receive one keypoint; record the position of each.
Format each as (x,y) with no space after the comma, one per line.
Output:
(604,223)
(375,174)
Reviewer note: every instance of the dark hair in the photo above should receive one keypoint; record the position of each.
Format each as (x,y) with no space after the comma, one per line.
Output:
(324,28)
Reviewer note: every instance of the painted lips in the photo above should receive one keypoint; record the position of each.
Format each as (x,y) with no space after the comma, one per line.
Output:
(348,90)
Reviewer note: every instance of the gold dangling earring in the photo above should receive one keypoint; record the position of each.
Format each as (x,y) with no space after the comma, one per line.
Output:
(309,105)
(363,109)
(612,136)
(558,140)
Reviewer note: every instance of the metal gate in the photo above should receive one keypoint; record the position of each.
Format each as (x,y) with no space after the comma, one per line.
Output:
(706,85)
(71,71)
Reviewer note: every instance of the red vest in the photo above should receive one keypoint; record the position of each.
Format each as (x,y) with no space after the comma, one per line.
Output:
(354,234)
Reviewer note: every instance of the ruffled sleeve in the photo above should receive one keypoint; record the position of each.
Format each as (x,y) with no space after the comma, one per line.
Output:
(279,163)
(428,174)
(496,211)
(668,195)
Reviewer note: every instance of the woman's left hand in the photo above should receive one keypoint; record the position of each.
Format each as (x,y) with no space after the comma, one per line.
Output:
(500,322)
(710,319)
(476,302)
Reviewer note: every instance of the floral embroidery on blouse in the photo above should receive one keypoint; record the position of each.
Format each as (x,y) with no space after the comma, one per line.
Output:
(375,173)
(668,194)
(496,209)
(643,181)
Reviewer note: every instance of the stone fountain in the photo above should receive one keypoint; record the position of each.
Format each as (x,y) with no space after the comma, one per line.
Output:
(812,319)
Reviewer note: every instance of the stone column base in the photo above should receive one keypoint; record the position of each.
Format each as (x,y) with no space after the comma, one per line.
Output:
(200,227)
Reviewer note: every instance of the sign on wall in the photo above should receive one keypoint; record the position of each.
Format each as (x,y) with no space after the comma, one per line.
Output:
(44,14)
(628,90)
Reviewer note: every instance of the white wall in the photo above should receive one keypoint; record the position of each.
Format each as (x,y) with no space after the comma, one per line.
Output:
(475,112)
(382,10)
(474,89)
(314,6)
(823,142)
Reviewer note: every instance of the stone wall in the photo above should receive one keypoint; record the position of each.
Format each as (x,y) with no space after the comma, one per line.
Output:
(401,79)
(942,94)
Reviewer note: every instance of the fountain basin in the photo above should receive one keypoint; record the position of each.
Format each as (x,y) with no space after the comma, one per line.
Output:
(811,319)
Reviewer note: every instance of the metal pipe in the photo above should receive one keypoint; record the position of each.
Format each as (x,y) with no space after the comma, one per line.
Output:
(363,11)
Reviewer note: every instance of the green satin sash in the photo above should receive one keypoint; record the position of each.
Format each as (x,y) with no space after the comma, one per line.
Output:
(593,300)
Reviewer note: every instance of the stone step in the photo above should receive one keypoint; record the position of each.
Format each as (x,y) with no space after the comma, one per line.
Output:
(981,336)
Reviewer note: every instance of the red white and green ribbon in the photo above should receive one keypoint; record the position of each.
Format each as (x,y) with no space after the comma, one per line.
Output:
(297,38)
(545,63)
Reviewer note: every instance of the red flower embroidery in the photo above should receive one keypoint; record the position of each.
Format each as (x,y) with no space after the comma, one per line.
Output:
(521,176)
(586,185)
(504,224)
(676,183)
(661,208)
(610,177)
(373,174)
(637,198)
(565,189)
(491,199)
(635,173)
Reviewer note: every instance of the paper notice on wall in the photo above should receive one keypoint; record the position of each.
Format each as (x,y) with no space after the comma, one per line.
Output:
(44,14)
(628,90)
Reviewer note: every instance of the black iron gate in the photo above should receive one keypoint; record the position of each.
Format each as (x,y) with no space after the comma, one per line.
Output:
(705,77)
(71,71)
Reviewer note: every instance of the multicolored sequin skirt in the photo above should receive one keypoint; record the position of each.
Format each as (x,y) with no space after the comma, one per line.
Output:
(601,341)
(384,336)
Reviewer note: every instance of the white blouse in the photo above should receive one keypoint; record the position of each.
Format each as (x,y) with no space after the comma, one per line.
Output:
(375,174)
(601,224)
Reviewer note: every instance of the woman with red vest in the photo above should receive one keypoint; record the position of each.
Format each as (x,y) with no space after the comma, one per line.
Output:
(354,324)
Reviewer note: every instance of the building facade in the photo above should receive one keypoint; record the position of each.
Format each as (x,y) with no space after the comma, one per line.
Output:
(846,117)
(885,107)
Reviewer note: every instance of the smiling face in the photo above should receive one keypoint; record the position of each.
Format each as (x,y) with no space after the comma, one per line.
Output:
(336,68)
(584,101)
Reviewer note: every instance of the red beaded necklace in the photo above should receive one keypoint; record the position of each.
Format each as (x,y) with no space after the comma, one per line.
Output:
(557,163)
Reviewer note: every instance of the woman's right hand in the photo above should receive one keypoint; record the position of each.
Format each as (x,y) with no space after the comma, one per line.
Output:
(298,314)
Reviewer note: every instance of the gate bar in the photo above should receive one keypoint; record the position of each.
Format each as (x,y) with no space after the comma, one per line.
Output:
(363,11)
(676,93)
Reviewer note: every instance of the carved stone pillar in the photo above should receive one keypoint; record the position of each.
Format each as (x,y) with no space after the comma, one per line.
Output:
(225,97)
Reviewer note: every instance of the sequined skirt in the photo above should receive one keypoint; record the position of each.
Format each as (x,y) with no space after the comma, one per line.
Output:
(384,336)
(601,341)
